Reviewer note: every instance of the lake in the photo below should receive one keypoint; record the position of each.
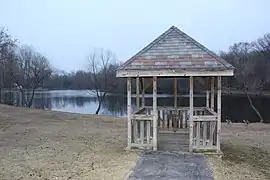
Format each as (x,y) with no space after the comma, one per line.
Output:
(235,108)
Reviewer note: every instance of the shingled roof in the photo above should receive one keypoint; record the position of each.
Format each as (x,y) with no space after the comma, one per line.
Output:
(175,50)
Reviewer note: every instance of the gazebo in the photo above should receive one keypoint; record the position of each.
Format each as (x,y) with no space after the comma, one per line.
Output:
(175,55)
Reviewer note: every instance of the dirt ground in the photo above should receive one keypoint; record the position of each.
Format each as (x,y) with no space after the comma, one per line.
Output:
(246,152)
(38,144)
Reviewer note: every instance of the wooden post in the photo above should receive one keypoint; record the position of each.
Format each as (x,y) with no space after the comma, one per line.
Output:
(191,114)
(174,115)
(175,92)
(143,100)
(155,113)
(138,93)
(212,93)
(129,112)
(218,111)
(207,92)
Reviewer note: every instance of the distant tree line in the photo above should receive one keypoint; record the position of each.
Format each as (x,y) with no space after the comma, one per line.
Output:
(250,59)
(252,67)
(21,68)
(26,70)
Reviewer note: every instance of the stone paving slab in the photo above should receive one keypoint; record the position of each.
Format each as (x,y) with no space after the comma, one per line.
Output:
(171,166)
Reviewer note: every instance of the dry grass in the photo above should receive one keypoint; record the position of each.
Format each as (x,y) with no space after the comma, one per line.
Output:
(37,144)
(246,153)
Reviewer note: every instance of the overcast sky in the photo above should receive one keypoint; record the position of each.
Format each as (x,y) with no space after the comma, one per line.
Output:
(66,31)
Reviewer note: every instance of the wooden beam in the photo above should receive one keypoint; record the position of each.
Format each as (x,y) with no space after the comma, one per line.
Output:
(167,95)
(142,132)
(148,131)
(205,148)
(205,118)
(155,115)
(191,114)
(218,111)
(213,93)
(200,80)
(207,91)
(141,145)
(143,99)
(175,92)
(142,117)
(140,111)
(138,93)
(129,112)
(211,111)
(147,82)
(173,73)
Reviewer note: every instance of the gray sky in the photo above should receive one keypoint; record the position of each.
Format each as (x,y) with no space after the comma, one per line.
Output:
(66,31)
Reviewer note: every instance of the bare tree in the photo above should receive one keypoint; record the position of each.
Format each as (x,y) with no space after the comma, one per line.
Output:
(100,62)
(263,45)
(7,44)
(29,71)
(244,59)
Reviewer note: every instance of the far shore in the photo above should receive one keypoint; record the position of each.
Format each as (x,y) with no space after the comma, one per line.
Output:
(225,92)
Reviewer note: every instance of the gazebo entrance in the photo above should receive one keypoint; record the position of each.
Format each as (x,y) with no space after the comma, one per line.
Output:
(173,123)
(174,54)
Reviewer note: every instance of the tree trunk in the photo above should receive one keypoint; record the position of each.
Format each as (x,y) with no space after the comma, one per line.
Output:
(253,107)
(30,101)
(1,100)
(100,101)
(99,106)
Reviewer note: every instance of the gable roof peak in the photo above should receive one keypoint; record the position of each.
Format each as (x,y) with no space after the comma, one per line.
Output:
(175,49)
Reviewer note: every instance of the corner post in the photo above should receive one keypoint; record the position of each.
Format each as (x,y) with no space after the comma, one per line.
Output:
(138,93)
(129,112)
(218,111)
(154,113)
(207,91)
(212,93)
(143,100)
(190,114)
(175,92)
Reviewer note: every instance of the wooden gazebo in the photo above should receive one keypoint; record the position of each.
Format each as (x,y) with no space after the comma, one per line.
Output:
(174,54)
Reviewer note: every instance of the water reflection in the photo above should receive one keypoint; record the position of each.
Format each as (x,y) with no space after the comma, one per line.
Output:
(235,108)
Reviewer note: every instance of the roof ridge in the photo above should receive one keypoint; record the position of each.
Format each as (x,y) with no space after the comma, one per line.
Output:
(148,46)
(199,45)
(202,48)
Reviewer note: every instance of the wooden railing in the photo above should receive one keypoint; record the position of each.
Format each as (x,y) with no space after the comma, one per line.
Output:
(205,130)
(174,119)
(142,128)
(204,134)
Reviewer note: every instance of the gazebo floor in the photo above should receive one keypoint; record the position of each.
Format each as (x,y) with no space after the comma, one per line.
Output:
(173,142)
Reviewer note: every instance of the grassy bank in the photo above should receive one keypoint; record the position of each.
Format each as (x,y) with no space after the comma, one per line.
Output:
(246,152)
(38,144)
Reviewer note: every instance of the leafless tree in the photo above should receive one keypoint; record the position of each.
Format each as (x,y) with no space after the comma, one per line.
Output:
(29,71)
(7,44)
(263,45)
(245,59)
(100,61)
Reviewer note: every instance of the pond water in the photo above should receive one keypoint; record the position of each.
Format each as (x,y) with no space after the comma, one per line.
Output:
(235,108)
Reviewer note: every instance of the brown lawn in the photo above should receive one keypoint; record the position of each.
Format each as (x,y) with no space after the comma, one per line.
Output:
(38,144)
(246,152)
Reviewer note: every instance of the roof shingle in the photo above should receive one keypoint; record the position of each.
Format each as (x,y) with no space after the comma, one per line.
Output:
(175,50)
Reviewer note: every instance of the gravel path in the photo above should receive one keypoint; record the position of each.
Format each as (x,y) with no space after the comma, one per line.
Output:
(170,166)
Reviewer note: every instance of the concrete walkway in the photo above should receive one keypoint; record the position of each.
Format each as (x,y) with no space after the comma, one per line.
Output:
(171,166)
